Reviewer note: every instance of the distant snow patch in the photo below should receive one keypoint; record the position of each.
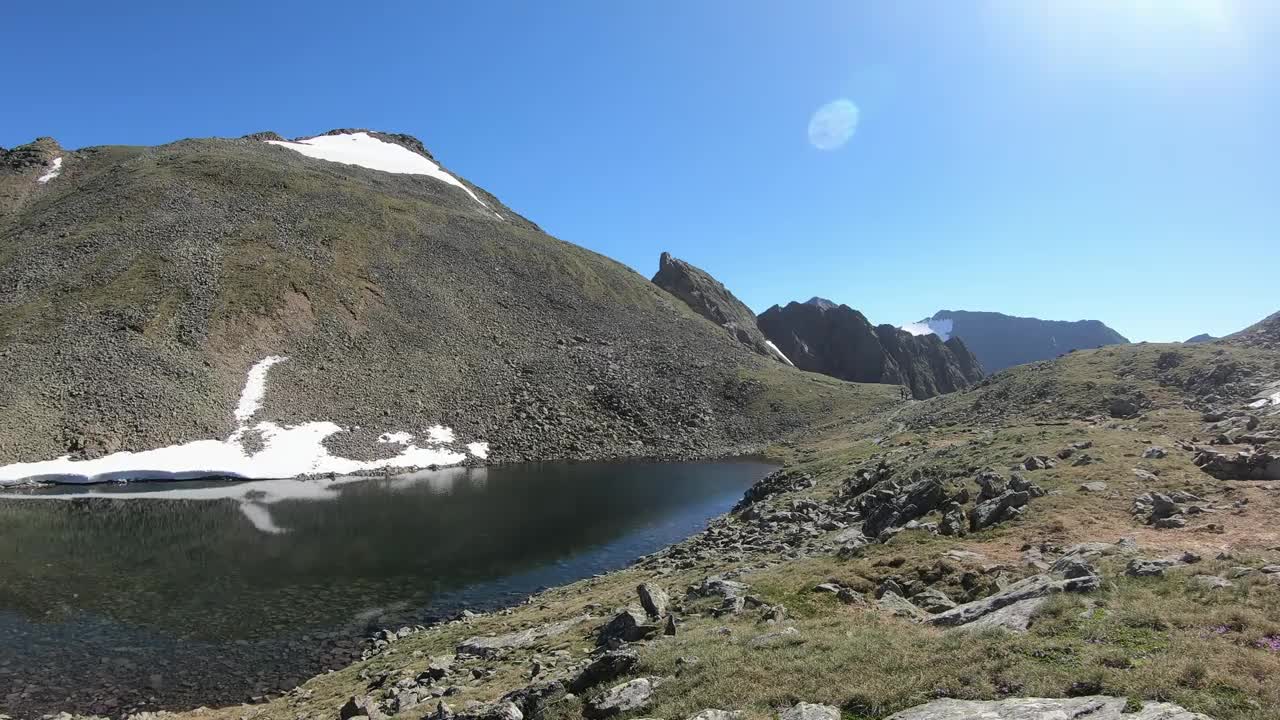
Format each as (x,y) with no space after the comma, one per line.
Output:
(55,169)
(368,151)
(286,451)
(941,328)
(778,352)
(479,449)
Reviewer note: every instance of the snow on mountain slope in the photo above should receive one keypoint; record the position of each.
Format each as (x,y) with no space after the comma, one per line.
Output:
(286,452)
(778,352)
(365,150)
(55,169)
(941,328)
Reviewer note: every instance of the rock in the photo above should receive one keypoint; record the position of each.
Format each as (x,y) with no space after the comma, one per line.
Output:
(788,636)
(1270,569)
(885,508)
(998,509)
(1094,707)
(501,710)
(1014,618)
(653,599)
(889,586)
(1252,464)
(810,711)
(1096,486)
(851,597)
(496,646)
(605,668)
(1171,523)
(827,588)
(1021,484)
(990,484)
(709,298)
(360,706)
(1155,452)
(669,626)
(1037,462)
(713,714)
(932,600)
(899,607)
(1147,567)
(954,522)
(1209,582)
(629,625)
(634,695)
(1073,565)
(1036,586)
(532,701)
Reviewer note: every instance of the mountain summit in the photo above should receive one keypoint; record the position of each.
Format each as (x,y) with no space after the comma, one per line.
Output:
(1000,341)
(837,340)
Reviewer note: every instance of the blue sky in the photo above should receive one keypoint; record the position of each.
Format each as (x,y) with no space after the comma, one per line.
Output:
(1110,159)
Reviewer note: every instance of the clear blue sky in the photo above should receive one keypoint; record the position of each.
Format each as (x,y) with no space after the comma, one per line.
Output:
(1111,159)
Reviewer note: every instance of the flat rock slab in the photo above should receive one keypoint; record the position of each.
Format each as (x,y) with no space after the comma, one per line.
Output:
(1095,707)
(493,646)
(1014,618)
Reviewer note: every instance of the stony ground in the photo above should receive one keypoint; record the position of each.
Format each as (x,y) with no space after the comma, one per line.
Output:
(1082,531)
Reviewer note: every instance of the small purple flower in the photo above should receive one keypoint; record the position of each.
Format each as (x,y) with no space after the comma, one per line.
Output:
(1270,643)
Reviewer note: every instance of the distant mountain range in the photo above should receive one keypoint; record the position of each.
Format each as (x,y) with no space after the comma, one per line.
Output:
(1000,341)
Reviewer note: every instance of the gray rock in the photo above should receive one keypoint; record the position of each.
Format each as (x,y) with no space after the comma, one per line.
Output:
(605,668)
(1096,486)
(1095,707)
(653,599)
(495,646)
(998,509)
(810,711)
(1014,618)
(990,485)
(634,695)
(360,706)
(1147,567)
(899,607)
(629,625)
(1036,586)
(788,636)
(1037,462)
(1155,452)
(932,600)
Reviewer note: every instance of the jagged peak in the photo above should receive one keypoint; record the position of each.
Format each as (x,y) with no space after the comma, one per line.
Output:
(820,303)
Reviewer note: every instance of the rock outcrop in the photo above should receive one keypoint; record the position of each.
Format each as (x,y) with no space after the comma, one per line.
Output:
(1263,334)
(837,340)
(1094,707)
(712,300)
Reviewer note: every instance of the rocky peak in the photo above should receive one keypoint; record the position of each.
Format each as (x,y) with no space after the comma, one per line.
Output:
(1263,334)
(35,154)
(837,340)
(712,300)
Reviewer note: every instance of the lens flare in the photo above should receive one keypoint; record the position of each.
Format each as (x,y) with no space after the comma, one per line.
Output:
(833,124)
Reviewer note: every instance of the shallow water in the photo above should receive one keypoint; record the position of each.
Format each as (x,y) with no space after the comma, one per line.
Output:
(181,594)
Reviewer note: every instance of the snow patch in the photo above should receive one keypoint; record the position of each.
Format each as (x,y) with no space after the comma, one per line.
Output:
(286,451)
(368,151)
(1264,402)
(255,387)
(941,328)
(778,352)
(55,169)
(479,449)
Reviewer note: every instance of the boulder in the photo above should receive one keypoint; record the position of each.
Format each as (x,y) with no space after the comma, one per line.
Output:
(1037,462)
(788,636)
(932,600)
(810,711)
(997,510)
(1036,586)
(1155,452)
(714,714)
(629,625)
(885,508)
(900,607)
(1147,567)
(1096,486)
(1014,618)
(1252,464)
(498,645)
(532,701)
(360,706)
(1209,582)
(606,667)
(990,484)
(634,695)
(653,599)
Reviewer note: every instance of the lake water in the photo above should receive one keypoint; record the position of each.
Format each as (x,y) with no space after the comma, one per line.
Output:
(180,594)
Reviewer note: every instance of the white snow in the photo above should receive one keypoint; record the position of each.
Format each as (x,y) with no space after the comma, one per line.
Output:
(255,387)
(778,352)
(941,328)
(1264,402)
(479,449)
(368,151)
(55,169)
(287,451)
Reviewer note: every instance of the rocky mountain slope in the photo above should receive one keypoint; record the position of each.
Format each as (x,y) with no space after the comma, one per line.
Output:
(1027,548)
(1000,341)
(140,285)
(712,300)
(839,341)
(1201,338)
(1263,334)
